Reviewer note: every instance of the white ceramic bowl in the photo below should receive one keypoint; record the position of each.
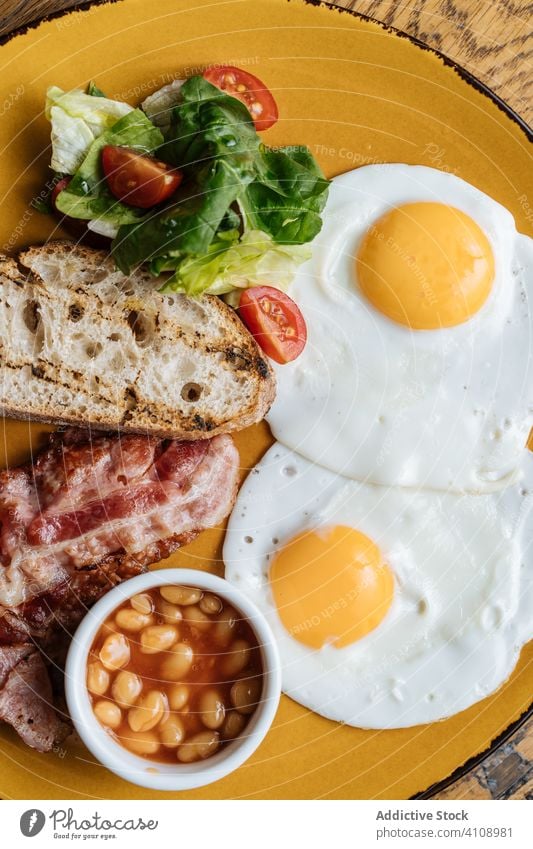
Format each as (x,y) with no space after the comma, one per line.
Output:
(154,774)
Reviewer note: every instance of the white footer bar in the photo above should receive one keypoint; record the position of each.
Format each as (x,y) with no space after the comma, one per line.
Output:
(267,825)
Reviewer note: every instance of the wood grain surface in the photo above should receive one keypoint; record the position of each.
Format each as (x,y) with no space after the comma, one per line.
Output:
(494,41)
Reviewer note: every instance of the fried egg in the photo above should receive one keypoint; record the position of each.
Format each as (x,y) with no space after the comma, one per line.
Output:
(418,368)
(391,607)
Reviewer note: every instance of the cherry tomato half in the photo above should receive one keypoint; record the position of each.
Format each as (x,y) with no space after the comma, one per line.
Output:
(247,88)
(59,186)
(275,322)
(136,179)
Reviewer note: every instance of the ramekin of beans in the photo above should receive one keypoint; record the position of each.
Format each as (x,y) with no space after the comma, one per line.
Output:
(173,679)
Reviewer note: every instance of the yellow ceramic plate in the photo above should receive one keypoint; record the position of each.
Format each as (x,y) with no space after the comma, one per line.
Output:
(355,93)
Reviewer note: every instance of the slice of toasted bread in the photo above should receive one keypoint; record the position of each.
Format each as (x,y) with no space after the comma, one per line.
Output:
(84,344)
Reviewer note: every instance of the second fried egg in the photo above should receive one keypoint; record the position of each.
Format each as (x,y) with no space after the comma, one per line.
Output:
(390,607)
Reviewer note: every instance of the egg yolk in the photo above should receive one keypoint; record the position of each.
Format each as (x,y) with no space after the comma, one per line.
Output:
(426,265)
(331,586)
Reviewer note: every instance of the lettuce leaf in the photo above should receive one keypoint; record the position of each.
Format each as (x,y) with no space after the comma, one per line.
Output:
(232,263)
(77,120)
(159,105)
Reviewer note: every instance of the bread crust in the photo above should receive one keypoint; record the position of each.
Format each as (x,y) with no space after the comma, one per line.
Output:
(222,342)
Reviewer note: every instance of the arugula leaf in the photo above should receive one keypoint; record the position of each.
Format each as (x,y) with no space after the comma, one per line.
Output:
(287,197)
(87,195)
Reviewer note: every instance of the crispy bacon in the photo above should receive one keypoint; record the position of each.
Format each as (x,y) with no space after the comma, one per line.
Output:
(82,502)
(73,471)
(92,511)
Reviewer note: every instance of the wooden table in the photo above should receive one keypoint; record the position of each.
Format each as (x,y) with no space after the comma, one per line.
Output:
(494,40)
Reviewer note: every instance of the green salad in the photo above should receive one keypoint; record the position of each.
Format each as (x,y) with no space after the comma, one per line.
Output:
(191,191)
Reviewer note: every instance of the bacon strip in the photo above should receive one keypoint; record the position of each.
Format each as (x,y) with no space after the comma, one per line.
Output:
(68,514)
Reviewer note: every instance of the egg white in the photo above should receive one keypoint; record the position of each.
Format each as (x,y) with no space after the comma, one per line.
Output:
(447,409)
(463,597)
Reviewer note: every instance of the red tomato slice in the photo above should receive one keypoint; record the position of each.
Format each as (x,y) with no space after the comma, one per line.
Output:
(136,179)
(59,186)
(275,322)
(247,88)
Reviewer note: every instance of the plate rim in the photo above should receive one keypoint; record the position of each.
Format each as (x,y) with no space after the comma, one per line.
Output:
(471,79)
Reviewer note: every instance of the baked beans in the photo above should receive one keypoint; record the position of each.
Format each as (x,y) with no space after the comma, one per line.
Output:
(175,674)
